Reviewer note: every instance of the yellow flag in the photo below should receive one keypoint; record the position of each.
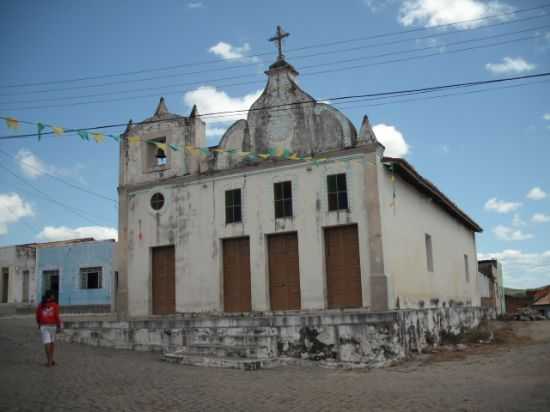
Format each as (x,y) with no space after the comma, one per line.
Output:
(98,137)
(264,156)
(294,156)
(244,153)
(162,146)
(12,123)
(218,150)
(134,139)
(308,158)
(58,131)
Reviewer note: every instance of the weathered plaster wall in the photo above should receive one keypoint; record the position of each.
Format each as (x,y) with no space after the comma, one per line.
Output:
(293,120)
(193,219)
(136,166)
(404,229)
(358,337)
(18,259)
(68,260)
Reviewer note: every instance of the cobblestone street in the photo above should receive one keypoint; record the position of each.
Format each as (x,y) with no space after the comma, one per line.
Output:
(88,378)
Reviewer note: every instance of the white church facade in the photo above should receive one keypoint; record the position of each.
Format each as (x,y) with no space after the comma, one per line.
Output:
(294,210)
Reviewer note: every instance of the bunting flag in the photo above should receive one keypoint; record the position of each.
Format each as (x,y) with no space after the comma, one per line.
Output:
(98,137)
(174,147)
(264,156)
(161,146)
(83,135)
(58,131)
(40,128)
(244,153)
(204,151)
(218,150)
(134,139)
(231,151)
(12,123)
(279,151)
(115,137)
(294,156)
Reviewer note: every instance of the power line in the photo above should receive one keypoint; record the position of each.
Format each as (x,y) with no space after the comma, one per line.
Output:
(40,170)
(430,89)
(47,197)
(377,45)
(372,56)
(318,45)
(439,53)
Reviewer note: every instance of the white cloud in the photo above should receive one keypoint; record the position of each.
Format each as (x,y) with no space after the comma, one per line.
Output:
(510,65)
(12,208)
(53,233)
(522,270)
(500,206)
(211,100)
(195,5)
(546,116)
(540,218)
(392,139)
(509,233)
(430,13)
(229,52)
(536,193)
(517,221)
(32,166)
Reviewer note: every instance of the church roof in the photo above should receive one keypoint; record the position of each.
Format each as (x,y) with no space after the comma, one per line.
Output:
(409,173)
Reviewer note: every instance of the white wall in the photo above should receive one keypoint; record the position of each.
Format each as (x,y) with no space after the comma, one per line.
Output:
(404,230)
(193,219)
(17,260)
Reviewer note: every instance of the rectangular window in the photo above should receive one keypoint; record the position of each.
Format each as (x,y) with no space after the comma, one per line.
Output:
(337,192)
(233,206)
(429,253)
(466,268)
(91,278)
(283,199)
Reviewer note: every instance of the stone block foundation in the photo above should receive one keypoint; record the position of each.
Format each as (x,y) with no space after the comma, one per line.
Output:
(352,337)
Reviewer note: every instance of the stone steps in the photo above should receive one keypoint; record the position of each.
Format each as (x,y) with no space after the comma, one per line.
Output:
(194,359)
(229,351)
(247,348)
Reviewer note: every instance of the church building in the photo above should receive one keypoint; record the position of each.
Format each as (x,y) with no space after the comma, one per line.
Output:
(294,209)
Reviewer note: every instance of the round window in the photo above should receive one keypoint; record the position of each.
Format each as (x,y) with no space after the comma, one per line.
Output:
(157,201)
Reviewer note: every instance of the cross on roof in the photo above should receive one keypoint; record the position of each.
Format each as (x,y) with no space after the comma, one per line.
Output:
(280,35)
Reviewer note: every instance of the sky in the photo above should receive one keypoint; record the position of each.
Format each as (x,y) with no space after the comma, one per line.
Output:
(76,64)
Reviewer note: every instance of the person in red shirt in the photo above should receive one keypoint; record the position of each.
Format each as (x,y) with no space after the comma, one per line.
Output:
(49,322)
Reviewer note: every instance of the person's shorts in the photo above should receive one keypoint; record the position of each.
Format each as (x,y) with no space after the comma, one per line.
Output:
(48,333)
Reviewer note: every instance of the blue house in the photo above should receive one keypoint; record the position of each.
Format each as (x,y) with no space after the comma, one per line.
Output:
(81,274)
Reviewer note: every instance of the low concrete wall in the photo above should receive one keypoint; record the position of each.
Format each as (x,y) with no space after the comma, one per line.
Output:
(360,337)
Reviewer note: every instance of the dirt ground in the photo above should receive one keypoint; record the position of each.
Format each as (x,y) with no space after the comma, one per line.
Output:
(513,375)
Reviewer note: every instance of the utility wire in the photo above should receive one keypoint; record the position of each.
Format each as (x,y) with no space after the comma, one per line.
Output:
(318,45)
(66,182)
(47,197)
(372,56)
(438,53)
(377,45)
(332,99)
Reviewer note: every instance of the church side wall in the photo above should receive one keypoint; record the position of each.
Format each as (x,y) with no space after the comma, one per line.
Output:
(404,229)
(193,220)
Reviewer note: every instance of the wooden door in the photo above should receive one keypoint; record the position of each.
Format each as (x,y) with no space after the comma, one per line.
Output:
(284,272)
(25,286)
(236,275)
(5,284)
(164,280)
(343,267)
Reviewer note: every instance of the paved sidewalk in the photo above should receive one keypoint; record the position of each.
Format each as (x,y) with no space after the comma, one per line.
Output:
(97,379)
